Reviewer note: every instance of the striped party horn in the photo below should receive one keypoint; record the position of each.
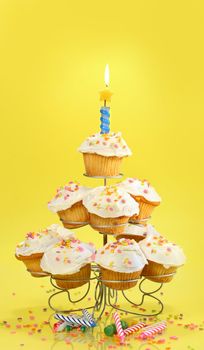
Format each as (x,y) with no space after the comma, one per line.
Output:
(88,316)
(75,320)
(118,325)
(152,330)
(134,328)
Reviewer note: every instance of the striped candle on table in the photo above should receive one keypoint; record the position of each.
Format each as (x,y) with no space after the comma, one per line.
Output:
(134,328)
(152,330)
(118,325)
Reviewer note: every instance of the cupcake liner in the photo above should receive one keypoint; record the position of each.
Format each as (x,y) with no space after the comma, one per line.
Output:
(66,281)
(32,263)
(108,225)
(154,269)
(146,209)
(108,275)
(77,213)
(97,165)
(137,238)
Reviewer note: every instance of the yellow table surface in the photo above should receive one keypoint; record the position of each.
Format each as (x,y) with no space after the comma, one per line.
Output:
(53,55)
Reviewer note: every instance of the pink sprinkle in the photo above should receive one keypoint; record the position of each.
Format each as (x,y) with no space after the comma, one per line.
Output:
(108,200)
(110,208)
(57,258)
(145,191)
(80,249)
(93,256)
(161,341)
(173,337)
(31,317)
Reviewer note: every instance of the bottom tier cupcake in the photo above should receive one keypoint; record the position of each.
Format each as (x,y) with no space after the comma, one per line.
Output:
(163,258)
(121,264)
(69,263)
(31,250)
(32,263)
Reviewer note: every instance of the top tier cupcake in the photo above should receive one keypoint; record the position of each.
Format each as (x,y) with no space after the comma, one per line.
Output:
(110,208)
(144,194)
(67,203)
(103,154)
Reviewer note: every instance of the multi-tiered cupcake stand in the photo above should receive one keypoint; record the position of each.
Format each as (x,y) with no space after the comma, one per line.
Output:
(105,296)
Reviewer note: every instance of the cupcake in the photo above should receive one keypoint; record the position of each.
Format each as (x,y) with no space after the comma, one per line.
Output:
(103,154)
(31,250)
(137,232)
(69,263)
(109,208)
(120,261)
(144,194)
(163,258)
(67,203)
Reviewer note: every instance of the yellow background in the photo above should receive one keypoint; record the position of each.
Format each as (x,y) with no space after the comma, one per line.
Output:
(52,60)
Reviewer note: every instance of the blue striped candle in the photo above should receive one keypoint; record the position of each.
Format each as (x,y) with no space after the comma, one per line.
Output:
(105,120)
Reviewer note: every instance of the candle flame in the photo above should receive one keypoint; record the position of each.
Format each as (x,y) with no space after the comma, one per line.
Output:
(107,75)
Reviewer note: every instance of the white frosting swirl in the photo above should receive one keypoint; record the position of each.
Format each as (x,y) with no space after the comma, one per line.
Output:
(107,145)
(161,251)
(67,257)
(38,242)
(137,187)
(110,202)
(67,196)
(140,230)
(124,255)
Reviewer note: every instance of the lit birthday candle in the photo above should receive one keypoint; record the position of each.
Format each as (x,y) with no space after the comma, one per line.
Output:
(105,96)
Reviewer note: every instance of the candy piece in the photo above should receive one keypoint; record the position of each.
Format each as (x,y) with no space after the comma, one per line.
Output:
(56,326)
(110,330)
(83,329)
(124,324)
(68,328)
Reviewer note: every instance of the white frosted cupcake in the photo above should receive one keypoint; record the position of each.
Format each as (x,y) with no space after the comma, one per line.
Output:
(69,263)
(31,250)
(67,203)
(110,208)
(103,154)
(137,232)
(144,194)
(163,258)
(120,261)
